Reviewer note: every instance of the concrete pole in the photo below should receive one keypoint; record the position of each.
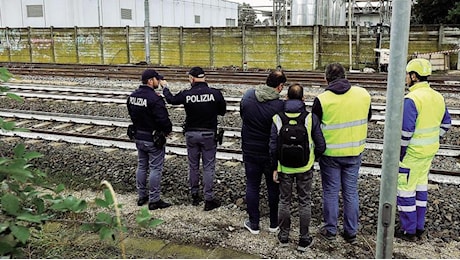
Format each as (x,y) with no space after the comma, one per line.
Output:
(147,31)
(350,40)
(399,39)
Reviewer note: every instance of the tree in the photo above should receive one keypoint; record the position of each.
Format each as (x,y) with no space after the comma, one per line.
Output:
(246,15)
(436,12)
(454,14)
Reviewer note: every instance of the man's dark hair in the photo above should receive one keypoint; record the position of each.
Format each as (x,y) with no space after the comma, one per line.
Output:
(334,71)
(275,78)
(295,92)
(420,78)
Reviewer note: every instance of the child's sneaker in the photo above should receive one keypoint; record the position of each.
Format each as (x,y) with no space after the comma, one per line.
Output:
(284,242)
(304,244)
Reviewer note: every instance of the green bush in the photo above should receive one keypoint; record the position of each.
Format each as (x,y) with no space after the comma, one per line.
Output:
(27,200)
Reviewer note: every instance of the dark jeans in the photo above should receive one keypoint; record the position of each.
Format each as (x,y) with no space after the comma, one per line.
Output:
(201,145)
(340,173)
(256,167)
(149,163)
(303,183)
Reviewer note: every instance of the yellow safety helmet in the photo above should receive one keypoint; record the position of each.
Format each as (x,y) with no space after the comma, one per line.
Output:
(421,66)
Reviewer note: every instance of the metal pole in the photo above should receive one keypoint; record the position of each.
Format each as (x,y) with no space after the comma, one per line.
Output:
(399,39)
(147,31)
(99,13)
(350,51)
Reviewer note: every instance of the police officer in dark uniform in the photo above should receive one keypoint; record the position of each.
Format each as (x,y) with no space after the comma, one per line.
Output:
(202,105)
(151,123)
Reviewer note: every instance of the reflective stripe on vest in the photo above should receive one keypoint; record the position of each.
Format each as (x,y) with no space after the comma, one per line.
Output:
(308,125)
(430,108)
(344,122)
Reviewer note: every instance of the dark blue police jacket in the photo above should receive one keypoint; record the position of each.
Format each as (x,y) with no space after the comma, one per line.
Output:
(148,112)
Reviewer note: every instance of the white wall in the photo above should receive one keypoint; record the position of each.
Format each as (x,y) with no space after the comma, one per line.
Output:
(107,13)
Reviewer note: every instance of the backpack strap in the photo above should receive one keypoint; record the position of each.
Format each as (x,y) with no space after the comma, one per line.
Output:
(302,116)
(285,119)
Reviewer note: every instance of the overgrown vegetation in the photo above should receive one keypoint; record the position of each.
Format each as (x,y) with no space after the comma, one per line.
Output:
(436,12)
(28,200)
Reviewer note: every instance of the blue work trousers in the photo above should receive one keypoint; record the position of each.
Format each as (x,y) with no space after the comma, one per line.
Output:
(150,162)
(201,145)
(256,167)
(340,173)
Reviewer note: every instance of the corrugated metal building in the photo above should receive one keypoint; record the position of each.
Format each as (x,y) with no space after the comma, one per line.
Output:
(117,13)
(335,12)
(318,12)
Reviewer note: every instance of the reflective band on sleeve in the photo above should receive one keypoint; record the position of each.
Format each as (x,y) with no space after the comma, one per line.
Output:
(407,134)
(405,142)
(442,132)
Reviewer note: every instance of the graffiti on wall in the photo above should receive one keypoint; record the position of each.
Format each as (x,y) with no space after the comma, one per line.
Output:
(10,39)
(87,39)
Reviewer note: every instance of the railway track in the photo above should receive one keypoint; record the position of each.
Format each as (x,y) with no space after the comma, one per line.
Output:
(440,82)
(110,132)
(114,96)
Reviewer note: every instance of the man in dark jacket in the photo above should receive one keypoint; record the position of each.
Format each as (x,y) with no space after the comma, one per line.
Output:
(302,176)
(149,115)
(202,106)
(257,108)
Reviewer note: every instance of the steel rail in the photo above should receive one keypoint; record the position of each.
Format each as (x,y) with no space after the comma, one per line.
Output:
(371,143)
(444,83)
(180,149)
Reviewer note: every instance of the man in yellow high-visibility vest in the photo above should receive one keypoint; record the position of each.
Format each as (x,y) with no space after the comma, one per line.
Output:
(425,120)
(344,111)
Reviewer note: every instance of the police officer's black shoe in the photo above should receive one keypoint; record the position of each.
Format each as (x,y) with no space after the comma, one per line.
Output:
(405,236)
(211,204)
(196,199)
(142,201)
(158,205)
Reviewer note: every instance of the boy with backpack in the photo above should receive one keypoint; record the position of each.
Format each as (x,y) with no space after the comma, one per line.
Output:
(296,140)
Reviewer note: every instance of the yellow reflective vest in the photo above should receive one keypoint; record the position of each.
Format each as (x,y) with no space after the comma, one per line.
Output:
(430,108)
(344,121)
(308,125)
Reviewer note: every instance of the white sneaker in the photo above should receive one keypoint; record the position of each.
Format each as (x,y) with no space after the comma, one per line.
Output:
(247,225)
(273,230)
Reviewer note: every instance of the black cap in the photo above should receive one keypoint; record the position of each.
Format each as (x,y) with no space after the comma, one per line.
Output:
(149,73)
(196,72)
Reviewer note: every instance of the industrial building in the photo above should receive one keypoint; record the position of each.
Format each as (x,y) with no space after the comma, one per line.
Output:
(331,12)
(117,13)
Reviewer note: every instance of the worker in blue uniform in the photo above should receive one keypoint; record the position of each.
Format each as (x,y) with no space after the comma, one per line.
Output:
(202,105)
(425,120)
(150,119)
